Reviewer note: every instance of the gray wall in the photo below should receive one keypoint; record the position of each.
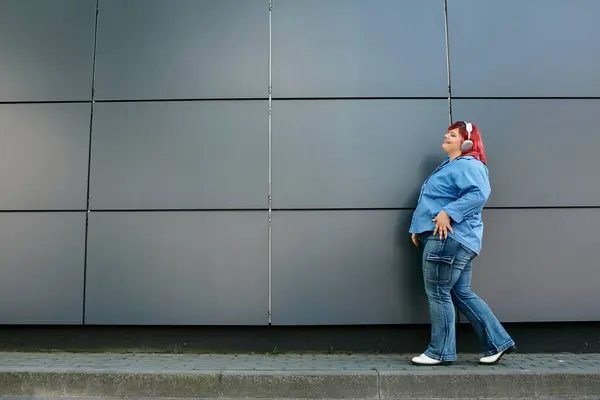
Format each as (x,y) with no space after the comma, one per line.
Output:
(135,157)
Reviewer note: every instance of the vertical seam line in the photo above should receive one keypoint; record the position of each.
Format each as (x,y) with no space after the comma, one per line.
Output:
(89,168)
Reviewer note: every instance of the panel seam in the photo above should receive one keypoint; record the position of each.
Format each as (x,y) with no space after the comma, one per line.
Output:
(284,209)
(448,61)
(270,194)
(87,201)
(329,98)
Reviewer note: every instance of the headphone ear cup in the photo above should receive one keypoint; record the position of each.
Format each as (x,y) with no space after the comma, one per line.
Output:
(466,146)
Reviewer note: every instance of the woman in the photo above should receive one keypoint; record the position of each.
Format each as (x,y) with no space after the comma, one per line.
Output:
(447,221)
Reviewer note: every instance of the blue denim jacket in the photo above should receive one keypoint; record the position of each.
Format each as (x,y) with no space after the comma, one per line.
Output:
(461,188)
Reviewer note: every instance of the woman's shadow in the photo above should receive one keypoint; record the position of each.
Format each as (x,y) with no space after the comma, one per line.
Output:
(414,300)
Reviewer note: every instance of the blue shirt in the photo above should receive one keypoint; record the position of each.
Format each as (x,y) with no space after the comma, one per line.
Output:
(461,188)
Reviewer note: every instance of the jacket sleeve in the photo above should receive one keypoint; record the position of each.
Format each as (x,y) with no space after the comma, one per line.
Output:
(473,192)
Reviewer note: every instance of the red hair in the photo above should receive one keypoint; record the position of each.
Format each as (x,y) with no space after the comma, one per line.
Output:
(478,151)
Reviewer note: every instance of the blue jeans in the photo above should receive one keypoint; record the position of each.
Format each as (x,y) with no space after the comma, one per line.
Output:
(447,271)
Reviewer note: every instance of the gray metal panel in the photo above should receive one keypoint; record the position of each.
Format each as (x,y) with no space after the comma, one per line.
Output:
(540,265)
(42,268)
(355,153)
(47,49)
(540,152)
(524,48)
(150,49)
(180,155)
(44,156)
(177,268)
(346,267)
(359,48)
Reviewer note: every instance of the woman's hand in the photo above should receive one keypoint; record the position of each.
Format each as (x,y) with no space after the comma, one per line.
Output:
(442,225)
(415,239)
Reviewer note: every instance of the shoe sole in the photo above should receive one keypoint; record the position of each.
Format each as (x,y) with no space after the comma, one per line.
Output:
(444,363)
(511,349)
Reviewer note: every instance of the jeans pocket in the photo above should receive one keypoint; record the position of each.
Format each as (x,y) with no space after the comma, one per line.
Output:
(438,269)
(470,254)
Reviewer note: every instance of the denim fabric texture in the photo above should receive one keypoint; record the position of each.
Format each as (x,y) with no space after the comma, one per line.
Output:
(447,271)
(461,188)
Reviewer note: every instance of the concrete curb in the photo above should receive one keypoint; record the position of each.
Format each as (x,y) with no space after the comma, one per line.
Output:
(512,385)
(245,384)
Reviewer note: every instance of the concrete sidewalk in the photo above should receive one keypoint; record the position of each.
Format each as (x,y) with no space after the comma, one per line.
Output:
(295,376)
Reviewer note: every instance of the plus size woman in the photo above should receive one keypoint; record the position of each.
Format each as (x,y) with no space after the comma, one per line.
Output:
(447,223)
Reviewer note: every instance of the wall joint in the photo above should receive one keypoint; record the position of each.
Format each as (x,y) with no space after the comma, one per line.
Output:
(270,193)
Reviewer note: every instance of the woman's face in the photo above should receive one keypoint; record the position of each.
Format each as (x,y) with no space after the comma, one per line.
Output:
(452,141)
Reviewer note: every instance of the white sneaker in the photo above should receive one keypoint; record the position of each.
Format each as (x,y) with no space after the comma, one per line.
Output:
(425,360)
(493,359)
